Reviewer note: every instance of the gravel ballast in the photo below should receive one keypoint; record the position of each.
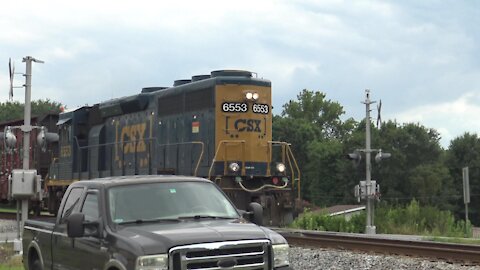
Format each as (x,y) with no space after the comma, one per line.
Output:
(316,259)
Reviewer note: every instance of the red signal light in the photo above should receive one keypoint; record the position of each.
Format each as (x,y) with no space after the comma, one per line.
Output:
(275,180)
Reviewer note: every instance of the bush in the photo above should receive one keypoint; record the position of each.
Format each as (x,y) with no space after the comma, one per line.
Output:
(322,222)
(411,219)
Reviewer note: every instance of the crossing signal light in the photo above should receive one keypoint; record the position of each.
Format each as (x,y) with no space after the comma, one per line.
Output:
(381,155)
(356,157)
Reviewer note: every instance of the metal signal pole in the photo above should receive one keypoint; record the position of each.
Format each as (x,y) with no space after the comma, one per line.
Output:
(368,189)
(370,228)
(27,128)
(25,184)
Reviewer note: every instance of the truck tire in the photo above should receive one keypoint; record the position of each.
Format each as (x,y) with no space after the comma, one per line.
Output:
(36,265)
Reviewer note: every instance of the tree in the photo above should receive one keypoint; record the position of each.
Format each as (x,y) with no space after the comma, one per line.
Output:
(322,114)
(313,126)
(14,110)
(321,140)
(431,184)
(416,163)
(464,151)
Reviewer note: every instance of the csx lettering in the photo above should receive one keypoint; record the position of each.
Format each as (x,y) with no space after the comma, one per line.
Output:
(133,135)
(248,125)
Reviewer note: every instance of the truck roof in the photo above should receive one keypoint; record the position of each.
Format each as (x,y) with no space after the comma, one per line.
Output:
(137,179)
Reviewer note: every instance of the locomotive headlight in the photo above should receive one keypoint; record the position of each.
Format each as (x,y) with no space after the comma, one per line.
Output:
(255,96)
(234,167)
(280,167)
(249,95)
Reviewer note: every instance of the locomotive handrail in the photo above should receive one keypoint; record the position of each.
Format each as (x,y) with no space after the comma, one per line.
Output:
(298,171)
(47,176)
(193,142)
(262,187)
(224,162)
(288,155)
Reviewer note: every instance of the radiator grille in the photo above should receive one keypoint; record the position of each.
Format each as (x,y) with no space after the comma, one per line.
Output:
(247,255)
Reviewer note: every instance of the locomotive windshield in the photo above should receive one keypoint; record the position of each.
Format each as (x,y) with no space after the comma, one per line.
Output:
(166,201)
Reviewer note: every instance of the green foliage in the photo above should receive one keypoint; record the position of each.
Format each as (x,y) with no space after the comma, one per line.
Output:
(417,162)
(418,220)
(411,219)
(323,114)
(321,141)
(322,222)
(469,241)
(8,259)
(14,110)
(465,151)
(313,125)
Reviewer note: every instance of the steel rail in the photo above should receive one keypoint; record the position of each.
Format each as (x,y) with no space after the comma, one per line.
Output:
(379,244)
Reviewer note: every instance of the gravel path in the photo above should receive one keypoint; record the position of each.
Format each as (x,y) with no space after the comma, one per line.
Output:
(310,259)
(8,226)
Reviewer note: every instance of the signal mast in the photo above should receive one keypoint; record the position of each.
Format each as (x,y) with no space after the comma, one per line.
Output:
(24,184)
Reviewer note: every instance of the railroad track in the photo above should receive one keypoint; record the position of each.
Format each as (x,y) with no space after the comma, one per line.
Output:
(8,215)
(13,216)
(463,253)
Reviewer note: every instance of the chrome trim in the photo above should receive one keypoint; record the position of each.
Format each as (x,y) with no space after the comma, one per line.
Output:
(37,229)
(213,253)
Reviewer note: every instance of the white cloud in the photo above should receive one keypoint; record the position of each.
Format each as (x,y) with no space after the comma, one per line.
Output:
(409,53)
(450,119)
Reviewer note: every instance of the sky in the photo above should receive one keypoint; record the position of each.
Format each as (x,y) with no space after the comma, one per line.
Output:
(420,58)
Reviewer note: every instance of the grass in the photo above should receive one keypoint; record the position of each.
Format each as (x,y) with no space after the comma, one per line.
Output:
(456,240)
(7,259)
(8,210)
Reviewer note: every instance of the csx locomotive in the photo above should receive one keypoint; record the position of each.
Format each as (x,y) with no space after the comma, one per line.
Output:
(217,126)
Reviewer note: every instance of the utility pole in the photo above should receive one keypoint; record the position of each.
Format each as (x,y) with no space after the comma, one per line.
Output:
(368,189)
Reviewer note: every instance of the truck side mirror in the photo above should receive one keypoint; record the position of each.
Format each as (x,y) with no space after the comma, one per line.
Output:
(255,210)
(75,227)
(78,227)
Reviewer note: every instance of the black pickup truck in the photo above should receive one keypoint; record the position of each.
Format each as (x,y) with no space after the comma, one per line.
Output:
(151,223)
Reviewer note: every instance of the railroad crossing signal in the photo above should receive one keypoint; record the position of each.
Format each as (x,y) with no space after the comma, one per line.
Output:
(368,189)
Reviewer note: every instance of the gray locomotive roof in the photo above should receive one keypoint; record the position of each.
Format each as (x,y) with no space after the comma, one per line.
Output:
(218,77)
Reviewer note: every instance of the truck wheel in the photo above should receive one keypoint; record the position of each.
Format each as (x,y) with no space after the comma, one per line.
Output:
(36,265)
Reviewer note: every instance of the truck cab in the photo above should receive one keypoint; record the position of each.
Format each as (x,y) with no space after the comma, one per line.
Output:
(151,222)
